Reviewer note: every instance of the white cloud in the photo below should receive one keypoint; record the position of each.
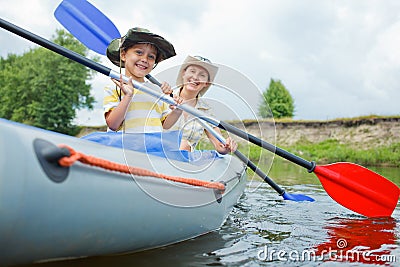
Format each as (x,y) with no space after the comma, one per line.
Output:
(93,117)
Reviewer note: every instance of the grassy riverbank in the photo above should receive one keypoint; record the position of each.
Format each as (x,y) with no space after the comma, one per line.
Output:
(368,140)
(331,150)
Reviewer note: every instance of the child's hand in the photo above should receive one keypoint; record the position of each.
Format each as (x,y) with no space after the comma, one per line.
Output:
(178,101)
(229,147)
(127,88)
(166,88)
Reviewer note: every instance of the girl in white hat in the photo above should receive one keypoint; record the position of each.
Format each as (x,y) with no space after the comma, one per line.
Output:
(194,79)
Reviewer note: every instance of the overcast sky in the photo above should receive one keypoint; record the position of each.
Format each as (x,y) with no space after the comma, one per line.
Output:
(336,58)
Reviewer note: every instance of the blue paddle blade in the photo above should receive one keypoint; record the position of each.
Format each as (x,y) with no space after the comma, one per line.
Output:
(87,24)
(297,197)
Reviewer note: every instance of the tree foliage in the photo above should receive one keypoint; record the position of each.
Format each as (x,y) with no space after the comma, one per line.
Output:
(277,102)
(43,89)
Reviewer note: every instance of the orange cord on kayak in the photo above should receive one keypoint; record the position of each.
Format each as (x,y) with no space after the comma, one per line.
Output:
(109,165)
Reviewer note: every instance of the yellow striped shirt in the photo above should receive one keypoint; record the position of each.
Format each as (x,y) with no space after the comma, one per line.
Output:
(145,113)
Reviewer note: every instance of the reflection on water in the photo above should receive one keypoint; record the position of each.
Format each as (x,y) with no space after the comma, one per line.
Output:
(370,240)
(262,225)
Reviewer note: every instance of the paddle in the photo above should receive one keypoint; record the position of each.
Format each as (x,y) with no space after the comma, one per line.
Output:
(341,189)
(374,198)
(351,185)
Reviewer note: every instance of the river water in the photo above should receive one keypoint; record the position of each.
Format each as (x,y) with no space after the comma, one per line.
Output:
(264,230)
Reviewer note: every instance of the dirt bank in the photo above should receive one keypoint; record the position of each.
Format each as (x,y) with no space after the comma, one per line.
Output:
(359,132)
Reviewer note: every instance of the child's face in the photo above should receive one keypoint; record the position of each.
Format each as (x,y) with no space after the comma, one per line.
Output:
(195,78)
(139,60)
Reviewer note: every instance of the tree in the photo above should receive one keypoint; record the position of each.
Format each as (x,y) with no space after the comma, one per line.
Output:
(44,89)
(277,101)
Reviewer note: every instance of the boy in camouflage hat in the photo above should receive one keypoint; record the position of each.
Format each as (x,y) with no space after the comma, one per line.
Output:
(138,52)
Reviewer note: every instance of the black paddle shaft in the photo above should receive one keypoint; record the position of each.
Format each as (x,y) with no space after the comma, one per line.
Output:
(260,173)
(276,150)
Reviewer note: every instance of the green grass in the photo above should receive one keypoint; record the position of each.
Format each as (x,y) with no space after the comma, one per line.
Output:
(330,151)
(290,120)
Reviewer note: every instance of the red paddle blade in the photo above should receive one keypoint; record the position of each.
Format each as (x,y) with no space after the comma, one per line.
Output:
(359,189)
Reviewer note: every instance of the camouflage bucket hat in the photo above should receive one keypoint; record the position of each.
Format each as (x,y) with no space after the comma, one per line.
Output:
(135,36)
